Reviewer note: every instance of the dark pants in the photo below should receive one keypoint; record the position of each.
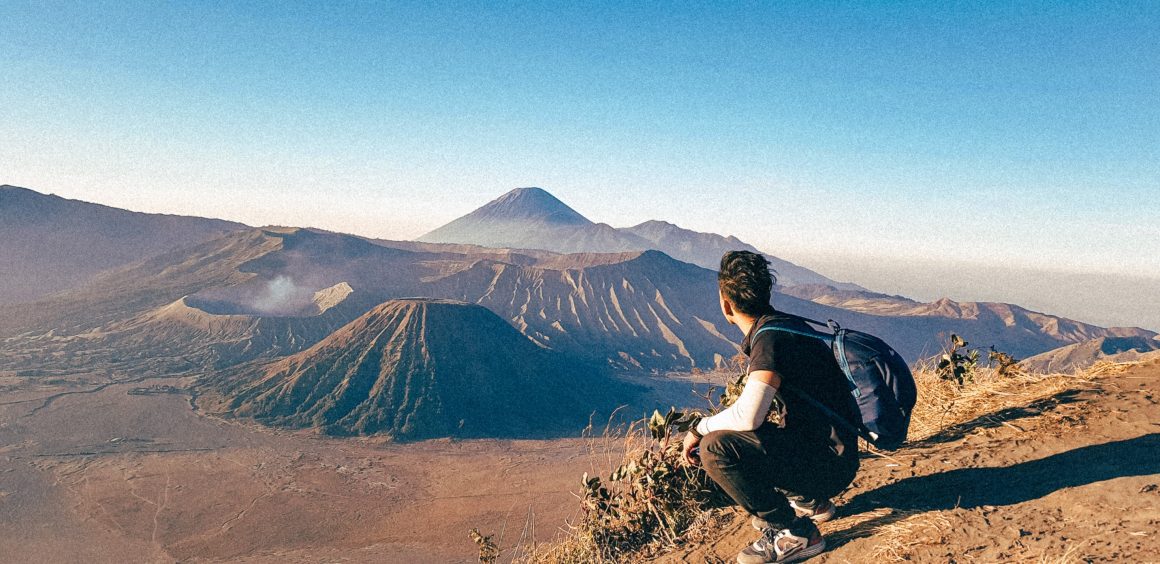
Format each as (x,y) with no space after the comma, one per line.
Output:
(751,466)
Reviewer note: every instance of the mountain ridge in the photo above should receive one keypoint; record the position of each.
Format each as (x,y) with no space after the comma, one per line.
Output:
(61,243)
(1084,354)
(641,311)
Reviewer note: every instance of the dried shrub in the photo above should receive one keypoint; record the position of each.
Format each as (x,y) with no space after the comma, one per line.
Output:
(488,549)
(651,502)
(959,363)
(1003,363)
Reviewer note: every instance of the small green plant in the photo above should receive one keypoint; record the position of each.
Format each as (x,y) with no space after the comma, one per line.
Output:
(732,391)
(956,366)
(959,363)
(488,549)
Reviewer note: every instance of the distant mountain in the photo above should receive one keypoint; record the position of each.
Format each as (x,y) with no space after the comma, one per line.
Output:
(855,300)
(1012,316)
(531,218)
(252,294)
(258,295)
(1079,356)
(52,244)
(705,250)
(417,369)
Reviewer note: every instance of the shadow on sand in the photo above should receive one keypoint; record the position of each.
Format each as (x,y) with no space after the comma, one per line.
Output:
(975,487)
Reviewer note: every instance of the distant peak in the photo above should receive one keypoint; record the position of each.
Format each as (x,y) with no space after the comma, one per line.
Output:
(530,194)
(530,203)
(655,224)
(9,189)
(536,190)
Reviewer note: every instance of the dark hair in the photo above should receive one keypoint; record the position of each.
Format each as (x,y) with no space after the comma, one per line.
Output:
(746,281)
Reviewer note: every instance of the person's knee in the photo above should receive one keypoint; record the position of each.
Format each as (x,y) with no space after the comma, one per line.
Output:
(719,448)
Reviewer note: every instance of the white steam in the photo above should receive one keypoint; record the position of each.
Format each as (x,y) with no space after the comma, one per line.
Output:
(281,297)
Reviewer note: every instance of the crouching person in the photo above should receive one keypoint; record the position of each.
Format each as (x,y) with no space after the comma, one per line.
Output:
(783,467)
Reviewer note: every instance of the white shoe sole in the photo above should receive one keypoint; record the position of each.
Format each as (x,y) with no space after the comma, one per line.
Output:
(808,552)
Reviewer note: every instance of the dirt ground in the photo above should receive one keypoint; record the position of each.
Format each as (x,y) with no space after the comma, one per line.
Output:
(1074,477)
(95,471)
(113,477)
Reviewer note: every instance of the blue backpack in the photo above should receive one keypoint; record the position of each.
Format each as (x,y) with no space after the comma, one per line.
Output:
(879,381)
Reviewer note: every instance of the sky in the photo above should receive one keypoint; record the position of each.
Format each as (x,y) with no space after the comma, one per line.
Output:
(930,137)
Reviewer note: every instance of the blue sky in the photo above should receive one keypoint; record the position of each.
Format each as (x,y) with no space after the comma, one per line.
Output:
(1014,134)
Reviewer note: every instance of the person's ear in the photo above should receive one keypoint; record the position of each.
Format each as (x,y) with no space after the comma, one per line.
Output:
(726,308)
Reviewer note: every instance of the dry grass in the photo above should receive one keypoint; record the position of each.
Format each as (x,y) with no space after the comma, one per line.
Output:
(895,541)
(943,404)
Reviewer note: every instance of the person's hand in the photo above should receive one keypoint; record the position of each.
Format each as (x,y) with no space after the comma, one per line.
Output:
(691,441)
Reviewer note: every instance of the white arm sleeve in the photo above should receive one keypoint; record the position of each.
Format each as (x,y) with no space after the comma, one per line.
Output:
(746,414)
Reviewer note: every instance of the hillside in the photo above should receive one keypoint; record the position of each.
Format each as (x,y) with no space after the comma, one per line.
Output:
(1080,356)
(61,244)
(188,329)
(131,290)
(853,300)
(639,310)
(705,250)
(1055,470)
(1023,468)
(250,294)
(415,369)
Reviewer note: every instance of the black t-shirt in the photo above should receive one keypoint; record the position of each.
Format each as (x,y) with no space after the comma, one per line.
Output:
(807,364)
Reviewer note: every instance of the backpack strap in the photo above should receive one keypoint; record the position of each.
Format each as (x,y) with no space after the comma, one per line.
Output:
(834,340)
(829,339)
(833,325)
(815,334)
(856,429)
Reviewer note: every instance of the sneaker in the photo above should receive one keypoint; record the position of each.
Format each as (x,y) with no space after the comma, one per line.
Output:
(818,512)
(797,543)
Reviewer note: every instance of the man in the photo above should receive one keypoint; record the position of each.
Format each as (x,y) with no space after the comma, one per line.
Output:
(785,473)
